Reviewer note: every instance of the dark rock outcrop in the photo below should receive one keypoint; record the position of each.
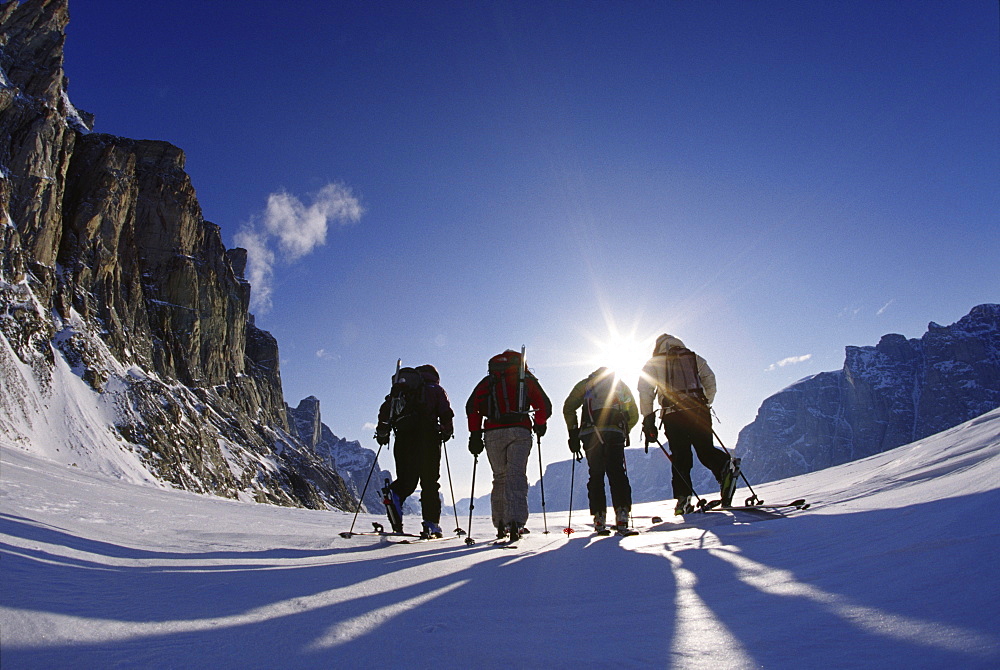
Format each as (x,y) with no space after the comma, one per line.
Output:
(352,461)
(108,262)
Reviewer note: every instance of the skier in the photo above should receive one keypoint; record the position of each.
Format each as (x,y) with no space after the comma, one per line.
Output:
(608,415)
(500,421)
(418,411)
(686,388)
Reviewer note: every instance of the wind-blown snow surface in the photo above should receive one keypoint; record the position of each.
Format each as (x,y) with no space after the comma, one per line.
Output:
(895,563)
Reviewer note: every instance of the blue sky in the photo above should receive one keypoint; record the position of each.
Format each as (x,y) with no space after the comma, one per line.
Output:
(769,181)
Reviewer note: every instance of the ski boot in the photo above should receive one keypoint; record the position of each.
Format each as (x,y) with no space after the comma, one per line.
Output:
(621,518)
(430,530)
(514,531)
(683,506)
(501,532)
(728,480)
(393,508)
(600,524)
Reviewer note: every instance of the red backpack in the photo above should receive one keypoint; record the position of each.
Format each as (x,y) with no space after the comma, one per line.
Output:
(507,400)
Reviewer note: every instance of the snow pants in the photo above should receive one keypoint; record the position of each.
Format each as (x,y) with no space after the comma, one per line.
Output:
(508,450)
(418,461)
(606,457)
(687,429)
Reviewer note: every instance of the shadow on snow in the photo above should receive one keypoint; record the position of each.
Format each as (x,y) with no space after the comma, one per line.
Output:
(787,594)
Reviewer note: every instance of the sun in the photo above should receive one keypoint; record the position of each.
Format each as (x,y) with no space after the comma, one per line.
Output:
(626,355)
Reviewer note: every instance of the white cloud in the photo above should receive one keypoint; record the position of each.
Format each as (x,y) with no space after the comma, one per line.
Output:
(260,266)
(884,307)
(297,228)
(300,228)
(326,355)
(791,360)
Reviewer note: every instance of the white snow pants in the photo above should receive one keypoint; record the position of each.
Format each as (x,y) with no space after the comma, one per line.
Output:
(508,450)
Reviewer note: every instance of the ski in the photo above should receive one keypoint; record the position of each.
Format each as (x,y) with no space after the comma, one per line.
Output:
(421,540)
(629,532)
(504,544)
(716,505)
(374,533)
(395,520)
(379,531)
(731,478)
(612,530)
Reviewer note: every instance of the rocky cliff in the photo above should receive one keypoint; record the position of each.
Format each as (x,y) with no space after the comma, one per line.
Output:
(347,457)
(885,396)
(109,264)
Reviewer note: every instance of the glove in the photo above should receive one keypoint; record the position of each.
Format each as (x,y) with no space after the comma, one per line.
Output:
(574,441)
(539,429)
(649,429)
(476,445)
(444,435)
(382,435)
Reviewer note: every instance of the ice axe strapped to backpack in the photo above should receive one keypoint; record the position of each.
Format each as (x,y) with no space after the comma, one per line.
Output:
(408,397)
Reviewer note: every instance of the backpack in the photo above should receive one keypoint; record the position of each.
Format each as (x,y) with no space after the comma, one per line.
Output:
(408,410)
(681,375)
(603,401)
(503,403)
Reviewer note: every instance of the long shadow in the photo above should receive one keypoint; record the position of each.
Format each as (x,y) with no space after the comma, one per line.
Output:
(913,586)
(39,580)
(787,590)
(29,529)
(513,607)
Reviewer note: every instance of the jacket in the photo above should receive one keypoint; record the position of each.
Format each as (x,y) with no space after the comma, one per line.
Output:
(477,408)
(621,396)
(653,381)
(439,412)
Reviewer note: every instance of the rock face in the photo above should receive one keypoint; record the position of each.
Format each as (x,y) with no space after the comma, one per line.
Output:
(885,396)
(352,461)
(108,262)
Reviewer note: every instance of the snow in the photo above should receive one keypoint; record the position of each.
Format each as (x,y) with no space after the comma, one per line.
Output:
(893,565)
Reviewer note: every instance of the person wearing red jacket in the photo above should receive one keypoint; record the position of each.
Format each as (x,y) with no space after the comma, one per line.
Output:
(500,421)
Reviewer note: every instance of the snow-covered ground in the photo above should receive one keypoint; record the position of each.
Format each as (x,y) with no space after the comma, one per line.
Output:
(894,565)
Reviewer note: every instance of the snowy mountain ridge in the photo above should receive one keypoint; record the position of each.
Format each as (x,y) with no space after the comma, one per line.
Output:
(891,394)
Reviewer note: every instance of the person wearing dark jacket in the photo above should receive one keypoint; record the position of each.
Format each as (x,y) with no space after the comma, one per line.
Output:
(417,449)
(500,421)
(608,414)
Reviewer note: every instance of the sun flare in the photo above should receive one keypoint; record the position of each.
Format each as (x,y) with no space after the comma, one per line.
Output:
(626,356)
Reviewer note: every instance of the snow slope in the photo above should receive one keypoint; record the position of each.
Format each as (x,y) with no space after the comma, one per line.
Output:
(894,564)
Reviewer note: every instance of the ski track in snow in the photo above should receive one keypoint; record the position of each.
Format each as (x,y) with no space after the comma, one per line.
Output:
(892,565)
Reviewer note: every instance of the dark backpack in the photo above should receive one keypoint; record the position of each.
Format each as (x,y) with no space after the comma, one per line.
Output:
(408,411)
(504,404)
(603,405)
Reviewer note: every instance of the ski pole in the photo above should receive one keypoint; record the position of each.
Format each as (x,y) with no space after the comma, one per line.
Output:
(541,485)
(362,497)
(687,480)
(392,413)
(625,469)
(472,498)
(444,448)
(753,494)
(572,480)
